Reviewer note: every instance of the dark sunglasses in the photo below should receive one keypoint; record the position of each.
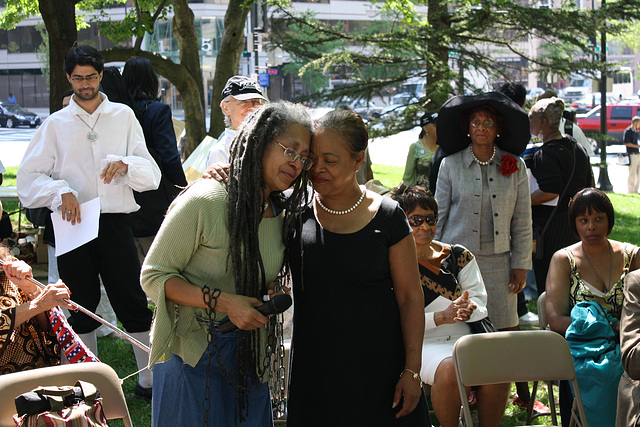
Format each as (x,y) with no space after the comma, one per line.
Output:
(417,220)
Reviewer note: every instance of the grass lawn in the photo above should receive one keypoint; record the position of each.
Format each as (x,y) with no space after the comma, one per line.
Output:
(118,353)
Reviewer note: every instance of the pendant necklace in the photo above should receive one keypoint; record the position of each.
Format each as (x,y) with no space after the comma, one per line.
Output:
(92,136)
(346,211)
(606,288)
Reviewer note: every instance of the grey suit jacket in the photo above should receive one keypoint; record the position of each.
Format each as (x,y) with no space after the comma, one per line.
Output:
(458,194)
(628,412)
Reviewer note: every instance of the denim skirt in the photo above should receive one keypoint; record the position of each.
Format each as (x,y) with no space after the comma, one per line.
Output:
(179,390)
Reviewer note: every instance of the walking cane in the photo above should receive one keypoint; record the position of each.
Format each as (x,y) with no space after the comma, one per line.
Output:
(95,317)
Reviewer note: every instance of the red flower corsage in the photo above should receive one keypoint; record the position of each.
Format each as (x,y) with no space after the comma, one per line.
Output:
(509,165)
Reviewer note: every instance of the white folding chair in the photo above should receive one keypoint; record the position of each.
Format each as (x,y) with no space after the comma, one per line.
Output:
(99,374)
(543,322)
(518,356)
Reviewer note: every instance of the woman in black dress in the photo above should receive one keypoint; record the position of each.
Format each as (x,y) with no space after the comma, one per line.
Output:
(358,320)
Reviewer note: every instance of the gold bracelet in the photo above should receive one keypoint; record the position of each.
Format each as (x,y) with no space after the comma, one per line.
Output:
(414,374)
(34,293)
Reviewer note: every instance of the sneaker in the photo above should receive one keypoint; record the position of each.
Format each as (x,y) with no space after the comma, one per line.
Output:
(538,406)
(473,399)
(143,392)
(529,319)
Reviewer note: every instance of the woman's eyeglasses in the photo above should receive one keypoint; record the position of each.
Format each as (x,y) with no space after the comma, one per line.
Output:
(486,123)
(292,155)
(417,220)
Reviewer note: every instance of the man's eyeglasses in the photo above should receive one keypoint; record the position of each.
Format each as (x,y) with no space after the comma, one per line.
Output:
(89,78)
(486,123)
(292,155)
(417,220)
(250,103)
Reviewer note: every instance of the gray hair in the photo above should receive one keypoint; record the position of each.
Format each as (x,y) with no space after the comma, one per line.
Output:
(227,118)
(551,109)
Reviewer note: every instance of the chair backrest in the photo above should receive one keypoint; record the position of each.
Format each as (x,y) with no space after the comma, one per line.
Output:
(99,374)
(542,311)
(518,356)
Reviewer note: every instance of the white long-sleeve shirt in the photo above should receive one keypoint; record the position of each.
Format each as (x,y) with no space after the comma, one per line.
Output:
(60,159)
(470,279)
(219,153)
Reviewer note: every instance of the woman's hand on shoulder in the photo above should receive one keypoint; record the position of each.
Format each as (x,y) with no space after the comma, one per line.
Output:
(218,171)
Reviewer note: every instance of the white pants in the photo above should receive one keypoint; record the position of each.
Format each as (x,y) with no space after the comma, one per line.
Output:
(634,173)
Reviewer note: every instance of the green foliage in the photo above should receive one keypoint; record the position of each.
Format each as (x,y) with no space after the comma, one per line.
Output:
(407,43)
(42,52)
(139,20)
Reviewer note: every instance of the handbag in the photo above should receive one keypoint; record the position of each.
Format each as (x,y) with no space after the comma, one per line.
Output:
(623,159)
(482,326)
(67,406)
(38,216)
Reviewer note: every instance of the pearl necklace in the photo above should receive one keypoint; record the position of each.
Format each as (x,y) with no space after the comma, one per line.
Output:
(481,163)
(331,211)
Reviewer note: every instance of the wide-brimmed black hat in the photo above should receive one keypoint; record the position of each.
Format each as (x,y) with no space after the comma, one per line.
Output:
(453,138)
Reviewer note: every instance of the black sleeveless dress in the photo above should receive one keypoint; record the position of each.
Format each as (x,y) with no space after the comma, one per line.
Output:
(347,347)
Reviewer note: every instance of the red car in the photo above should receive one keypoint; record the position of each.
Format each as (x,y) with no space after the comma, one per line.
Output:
(618,119)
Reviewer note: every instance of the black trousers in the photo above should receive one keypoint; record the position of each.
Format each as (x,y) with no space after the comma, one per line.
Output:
(114,257)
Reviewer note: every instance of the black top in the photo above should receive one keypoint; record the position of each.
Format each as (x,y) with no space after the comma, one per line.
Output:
(347,346)
(160,138)
(630,136)
(551,165)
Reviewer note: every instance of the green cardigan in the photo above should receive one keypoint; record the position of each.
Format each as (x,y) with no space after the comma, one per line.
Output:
(193,243)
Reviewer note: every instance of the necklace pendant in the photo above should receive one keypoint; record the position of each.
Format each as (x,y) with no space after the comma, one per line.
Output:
(92,136)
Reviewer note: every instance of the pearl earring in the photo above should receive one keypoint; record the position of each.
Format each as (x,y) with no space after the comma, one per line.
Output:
(469,135)
(498,136)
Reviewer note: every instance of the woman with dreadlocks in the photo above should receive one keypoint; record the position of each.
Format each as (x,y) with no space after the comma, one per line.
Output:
(215,255)
(358,320)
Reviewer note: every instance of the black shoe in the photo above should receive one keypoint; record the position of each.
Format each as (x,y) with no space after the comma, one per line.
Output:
(143,392)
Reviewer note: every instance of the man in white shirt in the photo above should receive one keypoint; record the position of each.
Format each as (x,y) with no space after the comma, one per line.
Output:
(95,148)
(240,96)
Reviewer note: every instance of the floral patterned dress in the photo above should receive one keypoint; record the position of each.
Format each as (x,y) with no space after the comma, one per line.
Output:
(24,346)
(613,299)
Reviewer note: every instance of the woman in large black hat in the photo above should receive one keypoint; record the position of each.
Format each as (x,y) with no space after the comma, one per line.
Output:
(483,192)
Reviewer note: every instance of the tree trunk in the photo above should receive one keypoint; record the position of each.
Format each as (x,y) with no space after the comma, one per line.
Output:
(179,76)
(228,60)
(438,16)
(59,17)
(192,91)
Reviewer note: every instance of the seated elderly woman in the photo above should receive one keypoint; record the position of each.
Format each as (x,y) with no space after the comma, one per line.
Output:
(26,339)
(593,269)
(454,296)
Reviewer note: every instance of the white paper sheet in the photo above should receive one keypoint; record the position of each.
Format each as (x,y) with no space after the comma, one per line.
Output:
(70,237)
(533,186)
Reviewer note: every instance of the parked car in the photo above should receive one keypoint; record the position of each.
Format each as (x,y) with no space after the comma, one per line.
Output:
(589,102)
(12,115)
(398,104)
(533,93)
(618,119)
(366,108)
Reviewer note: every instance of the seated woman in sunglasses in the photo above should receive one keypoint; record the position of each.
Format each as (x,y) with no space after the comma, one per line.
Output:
(454,295)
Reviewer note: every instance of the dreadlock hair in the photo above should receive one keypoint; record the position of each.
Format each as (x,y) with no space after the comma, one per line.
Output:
(245,202)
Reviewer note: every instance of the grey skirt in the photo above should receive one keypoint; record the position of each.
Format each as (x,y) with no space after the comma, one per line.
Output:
(496,273)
